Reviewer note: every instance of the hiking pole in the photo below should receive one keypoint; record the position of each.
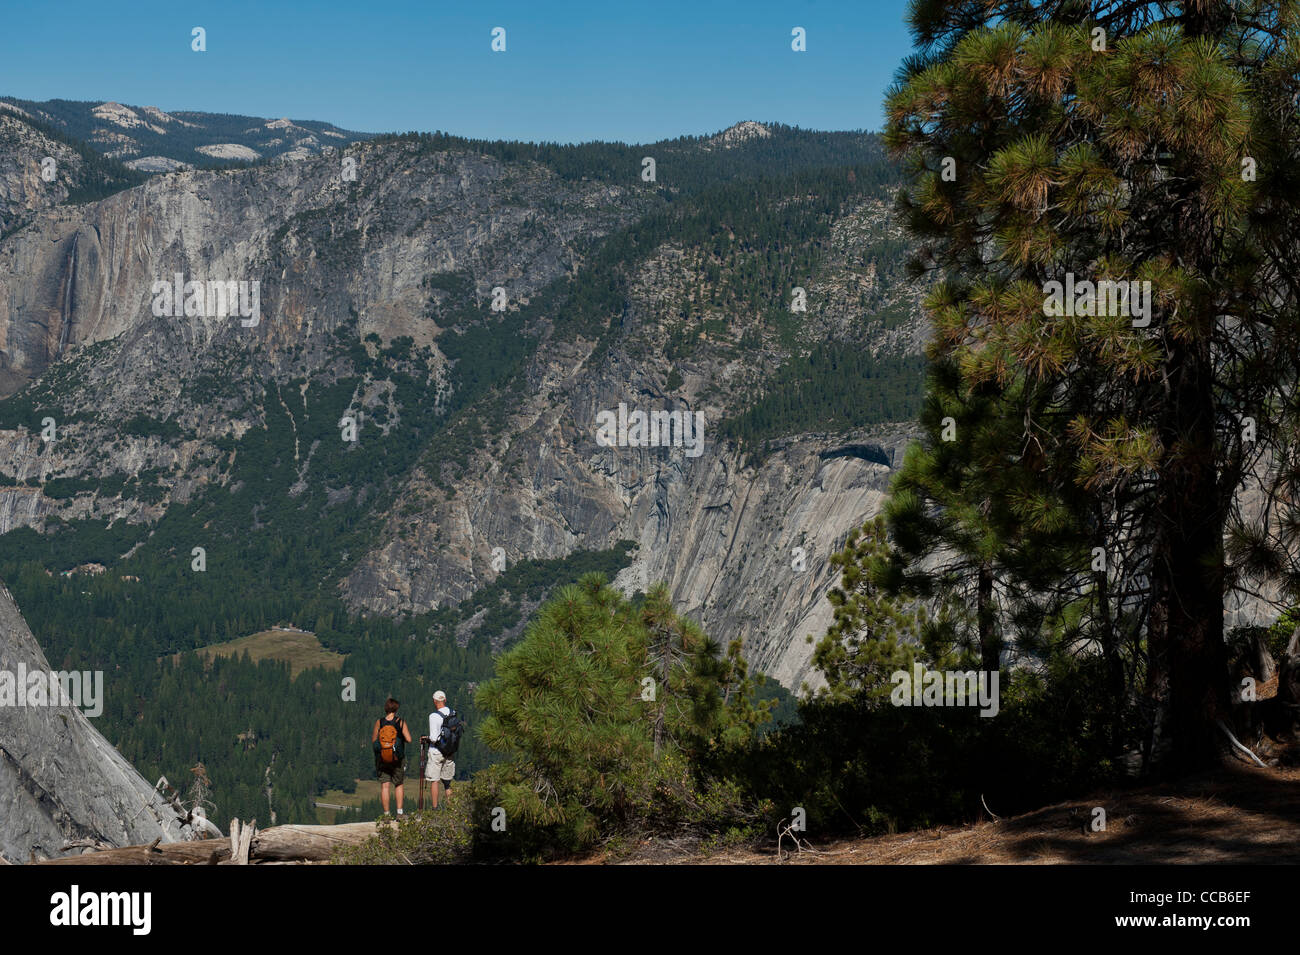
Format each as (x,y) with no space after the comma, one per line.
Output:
(424,758)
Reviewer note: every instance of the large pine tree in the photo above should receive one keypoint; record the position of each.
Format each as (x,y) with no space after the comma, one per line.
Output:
(1065,140)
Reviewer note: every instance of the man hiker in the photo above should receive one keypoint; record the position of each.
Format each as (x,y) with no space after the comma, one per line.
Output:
(445,729)
(389,740)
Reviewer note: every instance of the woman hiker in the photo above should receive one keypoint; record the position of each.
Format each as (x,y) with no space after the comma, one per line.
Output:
(388,739)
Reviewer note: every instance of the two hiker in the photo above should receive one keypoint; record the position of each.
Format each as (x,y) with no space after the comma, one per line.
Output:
(389,736)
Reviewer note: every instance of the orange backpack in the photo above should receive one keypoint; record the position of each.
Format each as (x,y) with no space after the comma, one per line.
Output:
(391,749)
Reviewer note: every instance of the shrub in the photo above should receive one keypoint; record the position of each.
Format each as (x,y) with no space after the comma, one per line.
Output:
(434,837)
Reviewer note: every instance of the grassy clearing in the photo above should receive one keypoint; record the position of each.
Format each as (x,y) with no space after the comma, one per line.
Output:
(301,650)
(368,791)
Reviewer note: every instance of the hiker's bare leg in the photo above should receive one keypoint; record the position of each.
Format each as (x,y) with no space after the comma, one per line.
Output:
(399,796)
(383,795)
(447,796)
(435,785)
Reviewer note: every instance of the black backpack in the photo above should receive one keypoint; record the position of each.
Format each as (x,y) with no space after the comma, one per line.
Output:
(448,740)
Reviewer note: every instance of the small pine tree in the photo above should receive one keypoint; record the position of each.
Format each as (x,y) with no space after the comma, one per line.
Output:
(599,710)
(875,632)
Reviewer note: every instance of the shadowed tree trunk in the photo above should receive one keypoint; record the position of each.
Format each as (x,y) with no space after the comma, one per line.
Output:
(1188,565)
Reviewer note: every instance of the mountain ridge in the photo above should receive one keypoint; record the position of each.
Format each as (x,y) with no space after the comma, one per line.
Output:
(677,298)
(152,140)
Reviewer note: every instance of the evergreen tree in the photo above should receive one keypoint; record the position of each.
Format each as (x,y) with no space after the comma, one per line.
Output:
(874,633)
(744,715)
(688,675)
(566,706)
(1142,142)
(598,712)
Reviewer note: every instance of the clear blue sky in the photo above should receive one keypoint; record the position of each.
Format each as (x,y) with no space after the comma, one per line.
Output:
(573,70)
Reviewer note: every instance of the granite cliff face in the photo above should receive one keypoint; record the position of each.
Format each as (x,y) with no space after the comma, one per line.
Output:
(23,189)
(60,780)
(148,411)
(319,246)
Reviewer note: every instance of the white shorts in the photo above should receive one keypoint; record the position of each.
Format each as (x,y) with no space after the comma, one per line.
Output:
(439,766)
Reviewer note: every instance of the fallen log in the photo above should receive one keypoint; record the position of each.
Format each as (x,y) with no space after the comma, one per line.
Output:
(201,852)
(309,843)
(95,844)
(277,844)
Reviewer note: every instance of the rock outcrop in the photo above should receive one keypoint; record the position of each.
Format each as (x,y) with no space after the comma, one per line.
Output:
(24,189)
(60,780)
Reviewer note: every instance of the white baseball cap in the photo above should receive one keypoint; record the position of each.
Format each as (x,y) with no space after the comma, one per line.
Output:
(440,695)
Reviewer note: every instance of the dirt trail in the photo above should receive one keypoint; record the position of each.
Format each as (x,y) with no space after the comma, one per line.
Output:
(1235,815)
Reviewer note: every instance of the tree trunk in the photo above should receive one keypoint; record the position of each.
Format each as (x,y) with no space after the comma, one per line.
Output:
(1157,682)
(1188,563)
(990,639)
(1288,681)
(665,649)
(1110,639)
